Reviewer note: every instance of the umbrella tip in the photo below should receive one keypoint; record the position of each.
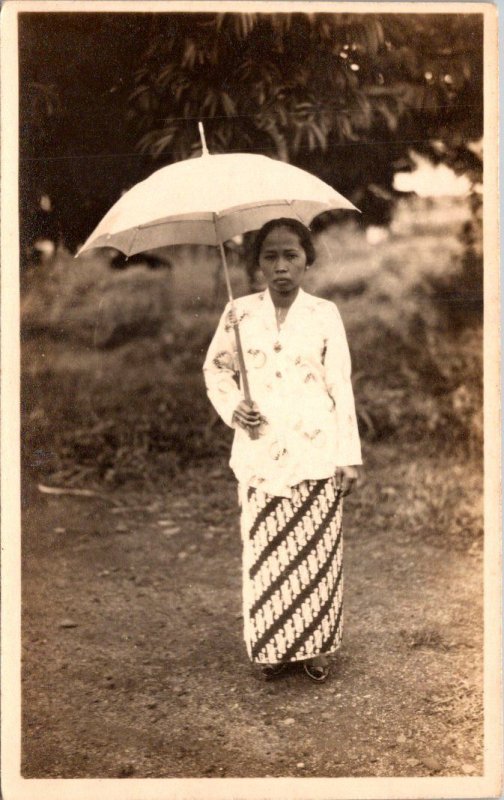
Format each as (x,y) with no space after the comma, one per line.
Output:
(203,140)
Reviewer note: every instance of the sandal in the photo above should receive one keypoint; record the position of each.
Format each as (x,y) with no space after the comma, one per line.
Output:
(317,673)
(271,671)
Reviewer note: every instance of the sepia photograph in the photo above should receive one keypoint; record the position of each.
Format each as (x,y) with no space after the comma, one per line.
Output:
(250,403)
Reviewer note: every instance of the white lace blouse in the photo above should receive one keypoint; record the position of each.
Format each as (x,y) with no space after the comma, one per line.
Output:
(300,379)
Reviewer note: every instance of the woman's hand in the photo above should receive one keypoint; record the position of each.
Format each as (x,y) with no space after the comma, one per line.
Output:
(347,477)
(246,415)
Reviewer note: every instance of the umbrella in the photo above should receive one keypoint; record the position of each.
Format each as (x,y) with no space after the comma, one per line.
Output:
(209,200)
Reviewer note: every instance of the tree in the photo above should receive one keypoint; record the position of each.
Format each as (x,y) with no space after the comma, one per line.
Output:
(343,95)
(107,97)
(75,145)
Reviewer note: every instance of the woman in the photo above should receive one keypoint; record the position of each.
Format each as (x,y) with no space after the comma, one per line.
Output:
(293,475)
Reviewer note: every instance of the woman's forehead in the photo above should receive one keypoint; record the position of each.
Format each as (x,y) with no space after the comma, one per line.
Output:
(281,237)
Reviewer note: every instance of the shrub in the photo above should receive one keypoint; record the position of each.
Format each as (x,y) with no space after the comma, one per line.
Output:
(137,407)
(86,300)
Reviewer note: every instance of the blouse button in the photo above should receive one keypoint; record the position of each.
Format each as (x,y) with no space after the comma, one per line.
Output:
(277,347)
(278,374)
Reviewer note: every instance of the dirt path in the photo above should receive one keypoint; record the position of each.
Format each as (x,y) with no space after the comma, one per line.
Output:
(134,663)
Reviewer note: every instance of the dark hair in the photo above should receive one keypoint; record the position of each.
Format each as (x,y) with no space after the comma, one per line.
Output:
(296,227)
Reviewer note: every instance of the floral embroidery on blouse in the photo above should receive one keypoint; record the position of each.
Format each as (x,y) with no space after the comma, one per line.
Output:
(259,357)
(277,452)
(224,360)
(312,436)
(230,324)
(302,389)
(324,351)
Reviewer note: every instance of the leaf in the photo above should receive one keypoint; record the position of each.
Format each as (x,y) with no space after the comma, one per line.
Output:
(320,136)
(165,75)
(373,36)
(228,105)
(210,104)
(345,128)
(246,69)
(161,144)
(190,53)
(283,116)
(391,119)
(56,490)
(244,24)
(362,112)
(304,109)
(138,91)
(297,139)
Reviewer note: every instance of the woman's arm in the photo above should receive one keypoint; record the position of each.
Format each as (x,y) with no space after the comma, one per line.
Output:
(338,370)
(220,370)
(221,377)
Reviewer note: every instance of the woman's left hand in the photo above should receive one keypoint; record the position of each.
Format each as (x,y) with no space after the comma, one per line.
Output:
(347,477)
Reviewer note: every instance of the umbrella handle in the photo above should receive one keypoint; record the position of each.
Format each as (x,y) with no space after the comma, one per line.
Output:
(253,432)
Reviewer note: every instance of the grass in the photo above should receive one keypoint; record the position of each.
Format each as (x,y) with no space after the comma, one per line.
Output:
(112,388)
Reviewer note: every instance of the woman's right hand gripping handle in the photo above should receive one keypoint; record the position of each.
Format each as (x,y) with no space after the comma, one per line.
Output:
(249,417)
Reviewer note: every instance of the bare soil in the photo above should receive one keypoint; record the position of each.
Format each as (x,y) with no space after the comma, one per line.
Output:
(134,664)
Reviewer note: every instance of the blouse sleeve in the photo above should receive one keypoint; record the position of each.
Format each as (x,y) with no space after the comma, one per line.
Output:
(338,371)
(220,370)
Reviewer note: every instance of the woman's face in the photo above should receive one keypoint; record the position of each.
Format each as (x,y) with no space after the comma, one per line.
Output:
(282,260)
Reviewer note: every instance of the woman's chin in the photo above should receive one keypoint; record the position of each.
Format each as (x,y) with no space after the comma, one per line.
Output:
(283,287)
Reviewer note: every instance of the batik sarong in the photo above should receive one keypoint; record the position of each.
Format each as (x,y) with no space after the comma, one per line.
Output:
(292,572)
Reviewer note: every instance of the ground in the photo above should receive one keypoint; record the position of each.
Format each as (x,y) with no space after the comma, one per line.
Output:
(133,658)
(134,663)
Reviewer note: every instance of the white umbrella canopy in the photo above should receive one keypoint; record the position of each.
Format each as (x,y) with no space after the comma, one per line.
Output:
(209,200)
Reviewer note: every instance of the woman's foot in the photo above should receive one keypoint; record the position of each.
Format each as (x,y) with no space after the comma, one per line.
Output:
(271,671)
(317,668)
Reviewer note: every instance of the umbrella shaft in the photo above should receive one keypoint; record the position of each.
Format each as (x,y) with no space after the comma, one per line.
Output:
(241,360)
(226,274)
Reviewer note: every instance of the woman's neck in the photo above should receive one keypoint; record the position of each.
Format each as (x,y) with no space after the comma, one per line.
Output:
(284,299)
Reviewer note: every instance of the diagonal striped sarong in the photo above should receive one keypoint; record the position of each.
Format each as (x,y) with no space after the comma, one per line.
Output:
(292,572)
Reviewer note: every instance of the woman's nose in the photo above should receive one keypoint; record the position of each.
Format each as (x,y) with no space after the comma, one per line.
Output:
(280,266)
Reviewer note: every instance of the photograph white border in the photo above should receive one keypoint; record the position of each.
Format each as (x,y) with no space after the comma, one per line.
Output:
(14,787)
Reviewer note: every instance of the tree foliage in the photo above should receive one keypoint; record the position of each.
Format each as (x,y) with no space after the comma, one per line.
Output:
(345,95)
(106,98)
(75,75)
